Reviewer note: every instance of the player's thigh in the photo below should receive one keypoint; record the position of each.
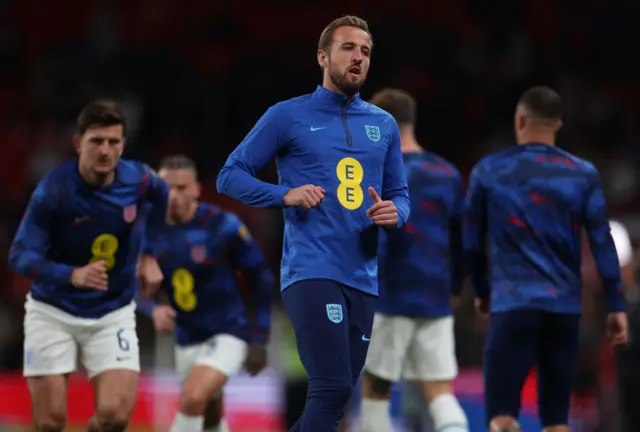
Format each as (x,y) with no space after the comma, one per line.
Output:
(206,367)
(49,345)
(557,366)
(115,393)
(431,355)
(111,343)
(510,354)
(318,313)
(49,401)
(390,339)
(361,308)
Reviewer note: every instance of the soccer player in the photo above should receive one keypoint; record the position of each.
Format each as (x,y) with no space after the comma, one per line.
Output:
(533,201)
(200,249)
(420,269)
(74,243)
(341,177)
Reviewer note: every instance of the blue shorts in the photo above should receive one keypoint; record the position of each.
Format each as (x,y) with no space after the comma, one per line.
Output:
(332,324)
(517,342)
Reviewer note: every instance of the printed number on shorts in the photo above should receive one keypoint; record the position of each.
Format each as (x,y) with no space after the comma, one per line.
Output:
(183,285)
(104,248)
(122,342)
(350,173)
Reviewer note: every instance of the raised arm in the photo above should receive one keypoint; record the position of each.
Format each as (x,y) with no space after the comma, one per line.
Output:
(237,177)
(394,182)
(32,242)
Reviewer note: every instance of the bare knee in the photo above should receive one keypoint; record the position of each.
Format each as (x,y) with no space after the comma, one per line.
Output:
(431,390)
(113,415)
(193,401)
(53,421)
(376,387)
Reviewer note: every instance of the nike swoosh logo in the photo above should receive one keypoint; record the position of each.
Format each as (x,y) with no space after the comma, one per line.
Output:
(313,129)
(366,339)
(81,219)
(122,358)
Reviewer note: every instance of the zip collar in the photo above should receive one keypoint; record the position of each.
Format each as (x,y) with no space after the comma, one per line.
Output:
(327,96)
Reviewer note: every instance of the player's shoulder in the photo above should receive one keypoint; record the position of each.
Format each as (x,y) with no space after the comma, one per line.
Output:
(60,180)
(377,113)
(583,165)
(224,222)
(133,172)
(288,107)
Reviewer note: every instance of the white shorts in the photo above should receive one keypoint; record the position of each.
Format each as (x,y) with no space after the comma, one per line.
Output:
(222,352)
(416,349)
(53,339)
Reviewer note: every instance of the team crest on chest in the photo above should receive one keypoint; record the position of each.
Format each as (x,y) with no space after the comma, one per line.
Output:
(373,132)
(334,313)
(130,212)
(198,253)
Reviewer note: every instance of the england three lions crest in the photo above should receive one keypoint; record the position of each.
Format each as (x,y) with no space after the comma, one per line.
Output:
(334,313)
(198,253)
(130,212)
(373,132)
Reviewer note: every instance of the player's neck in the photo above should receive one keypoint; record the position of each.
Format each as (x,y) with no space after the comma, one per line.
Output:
(328,84)
(408,142)
(93,179)
(540,138)
(187,217)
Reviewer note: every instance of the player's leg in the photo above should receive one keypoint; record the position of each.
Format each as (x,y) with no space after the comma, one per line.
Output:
(318,313)
(49,356)
(214,420)
(558,362)
(110,353)
(510,354)
(431,360)
(205,369)
(390,338)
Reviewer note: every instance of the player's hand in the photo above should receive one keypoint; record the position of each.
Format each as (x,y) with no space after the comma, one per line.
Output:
(307,196)
(92,276)
(618,328)
(149,275)
(256,358)
(383,213)
(483,307)
(163,317)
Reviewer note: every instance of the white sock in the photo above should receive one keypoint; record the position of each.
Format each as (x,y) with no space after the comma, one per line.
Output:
(222,427)
(447,414)
(374,416)
(185,423)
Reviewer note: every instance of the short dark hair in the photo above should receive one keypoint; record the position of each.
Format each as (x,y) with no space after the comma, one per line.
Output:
(100,113)
(399,103)
(542,103)
(178,162)
(326,37)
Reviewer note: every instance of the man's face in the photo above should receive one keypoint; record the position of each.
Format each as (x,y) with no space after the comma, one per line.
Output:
(184,189)
(347,64)
(99,149)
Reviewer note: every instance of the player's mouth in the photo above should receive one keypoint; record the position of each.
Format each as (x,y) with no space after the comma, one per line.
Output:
(354,71)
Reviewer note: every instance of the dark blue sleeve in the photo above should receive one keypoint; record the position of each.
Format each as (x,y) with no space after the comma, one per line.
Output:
(155,198)
(31,245)
(603,248)
(455,238)
(237,177)
(145,306)
(247,257)
(394,181)
(475,233)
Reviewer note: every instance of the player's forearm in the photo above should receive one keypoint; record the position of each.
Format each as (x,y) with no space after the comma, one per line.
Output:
(403,205)
(261,281)
(239,184)
(34,266)
(145,306)
(606,260)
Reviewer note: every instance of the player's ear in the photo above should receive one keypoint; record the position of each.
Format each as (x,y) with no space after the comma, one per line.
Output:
(77,140)
(322,58)
(558,126)
(198,190)
(521,122)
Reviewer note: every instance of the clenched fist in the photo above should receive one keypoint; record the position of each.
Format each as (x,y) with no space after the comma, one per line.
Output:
(163,317)
(92,276)
(307,196)
(383,213)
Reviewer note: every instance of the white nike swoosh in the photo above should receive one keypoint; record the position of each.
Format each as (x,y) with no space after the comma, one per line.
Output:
(313,129)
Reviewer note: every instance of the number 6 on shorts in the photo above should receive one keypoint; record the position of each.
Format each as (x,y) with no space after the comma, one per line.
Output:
(122,342)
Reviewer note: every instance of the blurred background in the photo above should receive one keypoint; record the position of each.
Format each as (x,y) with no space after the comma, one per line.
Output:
(195,75)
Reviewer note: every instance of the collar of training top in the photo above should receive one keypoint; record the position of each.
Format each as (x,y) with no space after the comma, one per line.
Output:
(326,95)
